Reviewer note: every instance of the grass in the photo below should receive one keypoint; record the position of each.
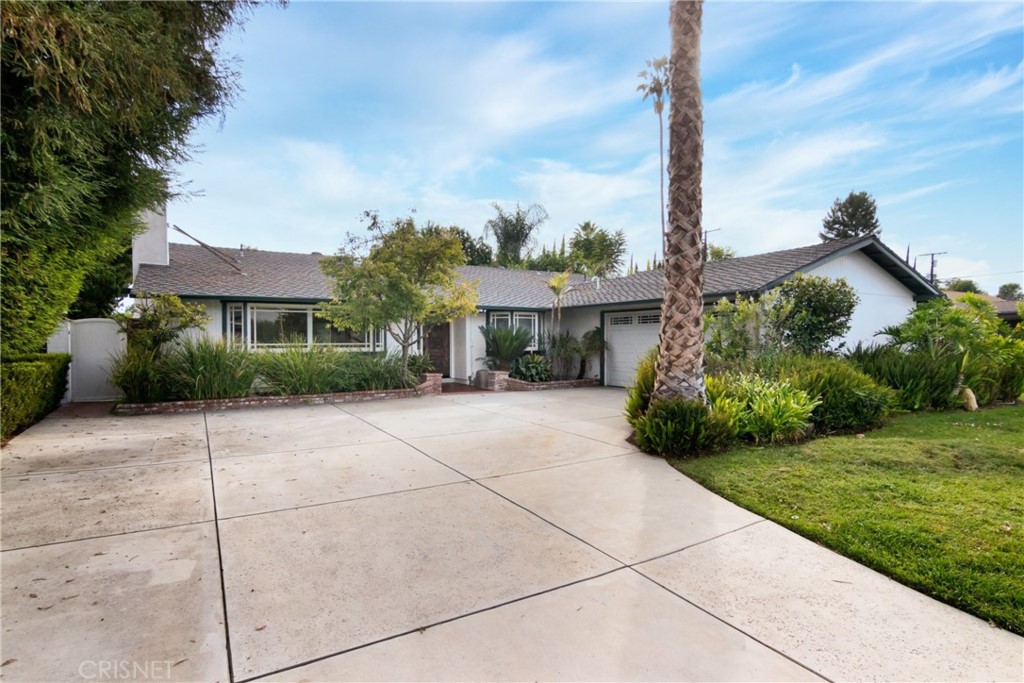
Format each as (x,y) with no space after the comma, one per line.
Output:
(933,500)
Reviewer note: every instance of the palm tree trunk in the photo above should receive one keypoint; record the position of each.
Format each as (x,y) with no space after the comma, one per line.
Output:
(661,154)
(681,354)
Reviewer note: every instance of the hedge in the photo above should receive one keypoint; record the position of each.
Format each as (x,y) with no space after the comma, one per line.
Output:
(31,386)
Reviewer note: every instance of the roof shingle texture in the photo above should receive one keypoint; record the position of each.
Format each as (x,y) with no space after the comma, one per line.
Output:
(744,274)
(194,271)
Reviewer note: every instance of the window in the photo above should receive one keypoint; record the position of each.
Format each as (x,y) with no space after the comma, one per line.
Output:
(620,320)
(379,339)
(649,318)
(501,320)
(527,321)
(278,326)
(236,325)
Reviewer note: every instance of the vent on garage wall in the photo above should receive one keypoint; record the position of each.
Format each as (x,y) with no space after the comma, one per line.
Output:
(649,318)
(620,320)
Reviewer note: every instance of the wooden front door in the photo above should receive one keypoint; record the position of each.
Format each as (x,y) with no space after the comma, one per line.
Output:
(438,348)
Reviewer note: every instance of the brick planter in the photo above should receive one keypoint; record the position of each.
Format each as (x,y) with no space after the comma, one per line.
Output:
(520,385)
(431,386)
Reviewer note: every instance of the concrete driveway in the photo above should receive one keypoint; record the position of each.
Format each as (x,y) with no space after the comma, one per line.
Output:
(464,537)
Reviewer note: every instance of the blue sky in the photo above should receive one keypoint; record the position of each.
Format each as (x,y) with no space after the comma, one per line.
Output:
(445,108)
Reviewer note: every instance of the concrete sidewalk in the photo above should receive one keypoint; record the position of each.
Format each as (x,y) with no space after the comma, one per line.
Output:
(463,537)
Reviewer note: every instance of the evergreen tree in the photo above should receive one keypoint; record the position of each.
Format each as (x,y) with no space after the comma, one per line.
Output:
(854,216)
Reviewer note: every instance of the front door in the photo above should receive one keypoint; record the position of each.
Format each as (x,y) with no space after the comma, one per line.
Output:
(438,348)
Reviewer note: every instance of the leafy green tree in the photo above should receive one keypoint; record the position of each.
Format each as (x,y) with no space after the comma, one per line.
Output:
(1011,291)
(476,250)
(560,285)
(819,309)
(963,285)
(717,253)
(656,85)
(594,251)
(98,101)
(402,279)
(854,216)
(153,321)
(103,287)
(514,231)
(554,261)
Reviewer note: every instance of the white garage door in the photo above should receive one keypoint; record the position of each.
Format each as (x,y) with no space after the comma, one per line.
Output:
(629,334)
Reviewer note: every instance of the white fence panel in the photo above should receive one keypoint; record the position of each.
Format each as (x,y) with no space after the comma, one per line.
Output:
(92,343)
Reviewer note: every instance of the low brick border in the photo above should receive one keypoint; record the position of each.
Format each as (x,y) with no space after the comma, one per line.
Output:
(431,386)
(520,385)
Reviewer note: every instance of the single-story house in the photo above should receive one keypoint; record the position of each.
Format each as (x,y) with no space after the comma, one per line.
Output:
(264,299)
(1005,309)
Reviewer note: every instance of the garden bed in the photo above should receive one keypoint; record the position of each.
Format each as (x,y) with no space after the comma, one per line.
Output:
(431,386)
(520,385)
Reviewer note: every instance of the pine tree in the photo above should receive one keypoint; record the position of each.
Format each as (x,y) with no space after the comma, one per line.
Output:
(851,217)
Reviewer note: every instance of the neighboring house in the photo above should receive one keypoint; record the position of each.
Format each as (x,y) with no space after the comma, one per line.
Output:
(1007,310)
(265,299)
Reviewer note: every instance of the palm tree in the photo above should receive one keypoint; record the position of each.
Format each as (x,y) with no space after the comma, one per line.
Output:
(681,347)
(656,85)
(559,286)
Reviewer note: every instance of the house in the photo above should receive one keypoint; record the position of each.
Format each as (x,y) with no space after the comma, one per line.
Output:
(266,299)
(1006,310)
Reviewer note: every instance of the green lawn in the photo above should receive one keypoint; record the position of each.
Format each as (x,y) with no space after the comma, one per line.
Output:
(933,500)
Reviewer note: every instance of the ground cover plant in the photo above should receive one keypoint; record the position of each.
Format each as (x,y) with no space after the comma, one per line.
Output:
(931,500)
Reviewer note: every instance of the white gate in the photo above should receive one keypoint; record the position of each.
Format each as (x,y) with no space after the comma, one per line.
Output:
(92,344)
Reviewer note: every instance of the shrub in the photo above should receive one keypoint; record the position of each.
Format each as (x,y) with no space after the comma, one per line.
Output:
(818,310)
(202,369)
(849,399)
(592,343)
(420,364)
(295,370)
(679,427)
(31,387)
(531,368)
(744,329)
(921,380)
(638,397)
(562,349)
(156,320)
(765,411)
(504,344)
(142,374)
(374,372)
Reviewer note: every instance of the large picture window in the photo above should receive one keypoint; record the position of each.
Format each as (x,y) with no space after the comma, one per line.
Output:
(277,326)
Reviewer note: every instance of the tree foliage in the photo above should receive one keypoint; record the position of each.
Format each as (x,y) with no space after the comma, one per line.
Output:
(717,253)
(514,232)
(103,287)
(819,311)
(656,84)
(153,321)
(401,279)
(1011,291)
(98,101)
(963,285)
(594,251)
(854,216)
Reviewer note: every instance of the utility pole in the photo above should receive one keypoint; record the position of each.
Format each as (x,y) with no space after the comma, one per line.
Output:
(931,272)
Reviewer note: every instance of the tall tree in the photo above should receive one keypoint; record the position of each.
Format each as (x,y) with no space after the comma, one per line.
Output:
(595,251)
(476,250)
(514,231)
(401,279)
(98,101)
(103,288)
(680,369)
(656,85)
(854,216)
(1011,292)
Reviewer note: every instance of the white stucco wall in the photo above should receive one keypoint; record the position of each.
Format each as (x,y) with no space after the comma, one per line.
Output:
(883,299)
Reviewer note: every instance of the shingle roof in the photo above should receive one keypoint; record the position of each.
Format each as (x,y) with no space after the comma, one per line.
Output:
(500,287)
(194,271)
(744,275)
